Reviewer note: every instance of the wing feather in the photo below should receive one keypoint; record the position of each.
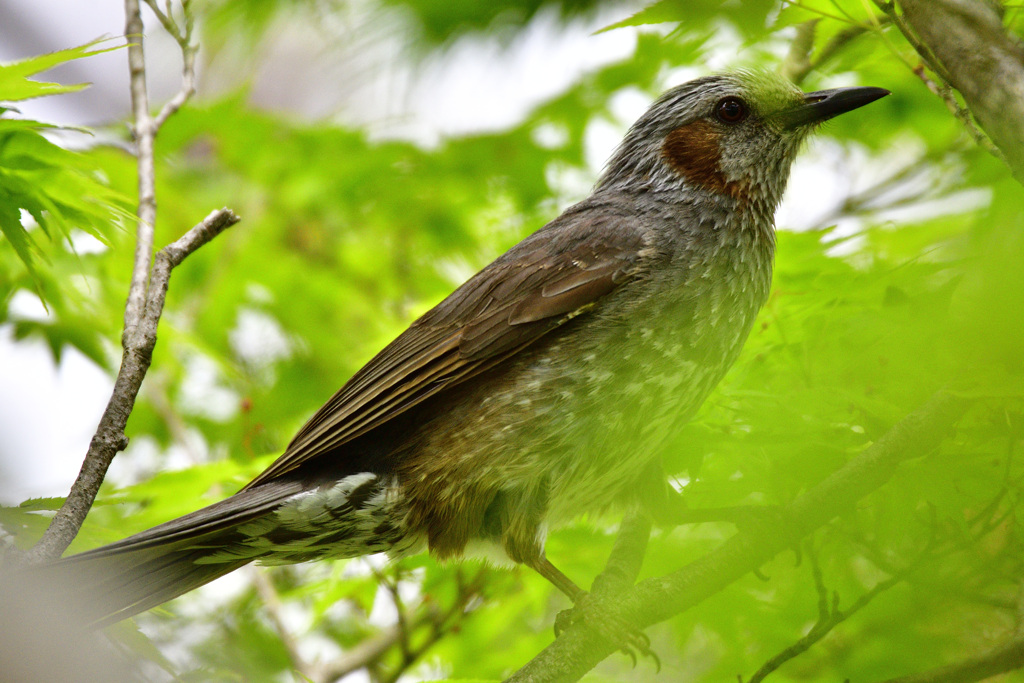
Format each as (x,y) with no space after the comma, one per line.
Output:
(544,281)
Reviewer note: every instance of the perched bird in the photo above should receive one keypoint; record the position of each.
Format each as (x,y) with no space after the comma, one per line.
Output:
(539,389)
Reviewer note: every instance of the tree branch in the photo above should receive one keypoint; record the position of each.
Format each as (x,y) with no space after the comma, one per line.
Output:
(969,46)
(144,132)
(138,351)
(626,558)
(578,650)
(427,615)
(1006,657)
(359,655)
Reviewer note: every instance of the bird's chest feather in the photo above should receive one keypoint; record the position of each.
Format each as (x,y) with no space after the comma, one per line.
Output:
(643,380)
(582,411)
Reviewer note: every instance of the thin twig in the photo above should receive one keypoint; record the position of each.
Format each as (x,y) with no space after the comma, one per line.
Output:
(437,622)
(945,93)
(272,602)
(173,254)
(829,617)
(359,656)
(923,51)
(967,45)
(189,50)
(166,19)
(149,281)
(404,629)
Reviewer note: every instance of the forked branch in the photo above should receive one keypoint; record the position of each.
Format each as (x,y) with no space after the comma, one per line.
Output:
(148,284)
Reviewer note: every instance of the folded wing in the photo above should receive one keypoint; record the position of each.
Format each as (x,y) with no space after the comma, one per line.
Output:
(541,283)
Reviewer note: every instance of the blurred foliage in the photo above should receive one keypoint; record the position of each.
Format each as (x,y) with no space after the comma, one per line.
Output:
(912,283)
(47,192)
(434,23)
(443,21)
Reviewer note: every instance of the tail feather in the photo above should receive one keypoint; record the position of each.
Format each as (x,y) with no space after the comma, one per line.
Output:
(125,578)
(138,588)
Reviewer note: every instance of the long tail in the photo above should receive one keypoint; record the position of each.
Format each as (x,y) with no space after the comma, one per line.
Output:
(130,576)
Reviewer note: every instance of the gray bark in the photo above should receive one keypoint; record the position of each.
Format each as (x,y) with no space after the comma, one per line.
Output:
(982,60)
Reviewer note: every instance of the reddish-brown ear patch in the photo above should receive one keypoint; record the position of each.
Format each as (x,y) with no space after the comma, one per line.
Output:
(692,151)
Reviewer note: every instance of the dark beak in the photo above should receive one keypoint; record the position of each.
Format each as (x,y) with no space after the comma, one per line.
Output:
(824,104)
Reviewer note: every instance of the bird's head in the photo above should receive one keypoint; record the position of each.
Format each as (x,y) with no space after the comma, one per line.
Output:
(731,135)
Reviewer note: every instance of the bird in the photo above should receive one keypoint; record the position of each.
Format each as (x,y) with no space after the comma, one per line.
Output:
(540,389)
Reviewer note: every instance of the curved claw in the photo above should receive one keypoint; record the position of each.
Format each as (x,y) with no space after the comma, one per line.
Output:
(630,641)
(564,620)
(642,644)
(657,661)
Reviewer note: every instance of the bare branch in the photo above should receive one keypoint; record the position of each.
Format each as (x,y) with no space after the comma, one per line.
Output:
(166,19)
(138,351)
(144,131)
(189,50)
(149,281)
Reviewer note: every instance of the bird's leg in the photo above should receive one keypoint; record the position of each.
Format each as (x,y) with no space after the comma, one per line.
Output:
(519,515)
(629,639)
(542,565)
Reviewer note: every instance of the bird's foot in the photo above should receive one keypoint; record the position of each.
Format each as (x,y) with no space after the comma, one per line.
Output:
(629,639)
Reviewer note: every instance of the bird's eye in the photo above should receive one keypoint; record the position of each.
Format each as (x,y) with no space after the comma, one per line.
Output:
(731,110)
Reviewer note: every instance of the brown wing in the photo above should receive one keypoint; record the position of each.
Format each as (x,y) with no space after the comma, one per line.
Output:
(545,280)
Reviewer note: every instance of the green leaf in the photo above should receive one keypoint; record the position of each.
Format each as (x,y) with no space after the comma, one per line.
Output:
(11,227)
(60,189)
(15,84)
(749,16)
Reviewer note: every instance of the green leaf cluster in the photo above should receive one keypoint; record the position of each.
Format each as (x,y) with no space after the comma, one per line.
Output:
(46,190)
